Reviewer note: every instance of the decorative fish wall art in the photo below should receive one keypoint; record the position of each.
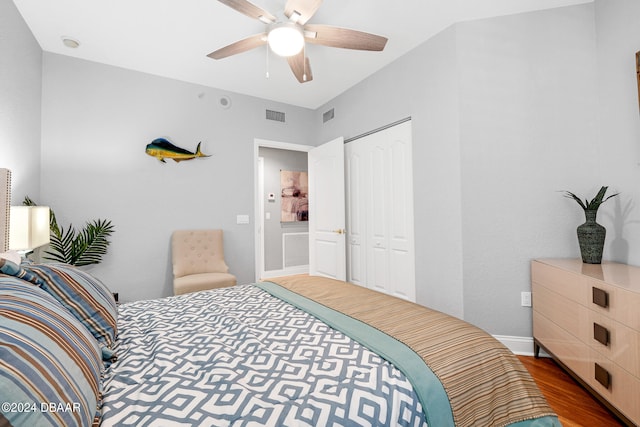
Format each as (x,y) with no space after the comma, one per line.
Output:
(162,149)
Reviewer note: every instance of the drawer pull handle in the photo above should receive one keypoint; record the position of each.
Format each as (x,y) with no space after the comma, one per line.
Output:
(600,297)
(601,334)
(603,376)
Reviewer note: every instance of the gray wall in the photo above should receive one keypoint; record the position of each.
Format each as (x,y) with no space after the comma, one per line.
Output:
(505,116)
(276,160)
(20,100)
(423,85)
(96,123)
(618,151)
(527,130)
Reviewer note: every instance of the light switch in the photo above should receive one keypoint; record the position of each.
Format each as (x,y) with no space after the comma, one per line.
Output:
(267,215)
(242,219)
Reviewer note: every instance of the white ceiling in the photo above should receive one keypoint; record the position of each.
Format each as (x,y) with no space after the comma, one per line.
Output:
(171,38)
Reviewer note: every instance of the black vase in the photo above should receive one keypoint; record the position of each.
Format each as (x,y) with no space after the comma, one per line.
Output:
(591,237)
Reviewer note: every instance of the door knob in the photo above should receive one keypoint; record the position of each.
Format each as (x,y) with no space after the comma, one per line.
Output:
(339,231)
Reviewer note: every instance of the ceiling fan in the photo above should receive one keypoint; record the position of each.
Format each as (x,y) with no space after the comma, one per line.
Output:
(287,38)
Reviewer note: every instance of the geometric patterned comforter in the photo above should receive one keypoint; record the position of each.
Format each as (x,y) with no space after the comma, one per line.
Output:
(462,376)
(238,357)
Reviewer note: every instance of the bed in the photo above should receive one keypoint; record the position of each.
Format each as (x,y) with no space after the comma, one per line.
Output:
(293,351)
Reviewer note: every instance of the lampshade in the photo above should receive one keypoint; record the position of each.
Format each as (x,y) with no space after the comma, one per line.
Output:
(29,227)
(285,39)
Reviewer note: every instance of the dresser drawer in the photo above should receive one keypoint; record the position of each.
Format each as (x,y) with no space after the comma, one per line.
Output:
(564,346)
(565,283)
(601,297)
(627,309)
(613,340)
(626,396)
(623,390)
(562,311)
(613,301)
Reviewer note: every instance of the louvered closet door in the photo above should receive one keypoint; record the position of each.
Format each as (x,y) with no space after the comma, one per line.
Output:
(380,212)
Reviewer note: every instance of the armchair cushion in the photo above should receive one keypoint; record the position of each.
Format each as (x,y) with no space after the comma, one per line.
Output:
(198,261)
(197,251)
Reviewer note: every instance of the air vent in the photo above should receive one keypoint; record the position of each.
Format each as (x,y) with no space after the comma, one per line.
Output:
(275,116)
(328,116)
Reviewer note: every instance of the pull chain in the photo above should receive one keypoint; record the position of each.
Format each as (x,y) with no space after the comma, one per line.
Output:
(267,61)
(304,62)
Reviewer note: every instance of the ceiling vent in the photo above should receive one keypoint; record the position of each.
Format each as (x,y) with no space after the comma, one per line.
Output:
(328,115)
(275,116)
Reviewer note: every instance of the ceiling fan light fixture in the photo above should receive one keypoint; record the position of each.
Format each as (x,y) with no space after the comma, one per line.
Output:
(286,39)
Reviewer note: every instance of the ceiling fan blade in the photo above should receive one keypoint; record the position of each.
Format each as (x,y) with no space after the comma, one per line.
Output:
(343,37)
(300,66)
(250,9)
(301,10)
(240,46)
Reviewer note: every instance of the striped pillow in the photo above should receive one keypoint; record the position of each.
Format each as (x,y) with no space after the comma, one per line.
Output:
(50,366)
(86,297)
(12,269)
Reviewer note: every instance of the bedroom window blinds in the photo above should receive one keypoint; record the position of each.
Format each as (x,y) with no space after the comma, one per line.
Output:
(5,208)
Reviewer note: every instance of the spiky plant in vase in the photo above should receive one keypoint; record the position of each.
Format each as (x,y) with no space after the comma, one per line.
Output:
(79,248)
(591,235)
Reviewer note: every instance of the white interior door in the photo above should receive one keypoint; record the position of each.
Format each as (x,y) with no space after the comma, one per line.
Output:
(327,255)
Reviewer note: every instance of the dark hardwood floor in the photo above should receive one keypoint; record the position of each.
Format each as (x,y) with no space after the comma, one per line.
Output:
(573,404)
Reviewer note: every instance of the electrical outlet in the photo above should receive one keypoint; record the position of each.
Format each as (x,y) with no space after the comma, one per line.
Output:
(525,299)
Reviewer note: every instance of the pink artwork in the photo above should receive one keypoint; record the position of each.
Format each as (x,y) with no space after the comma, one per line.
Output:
(294,191)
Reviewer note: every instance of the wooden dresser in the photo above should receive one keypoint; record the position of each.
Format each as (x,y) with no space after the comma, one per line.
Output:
(587,316)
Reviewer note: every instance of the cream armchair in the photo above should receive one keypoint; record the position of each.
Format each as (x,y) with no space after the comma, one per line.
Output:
(198,261)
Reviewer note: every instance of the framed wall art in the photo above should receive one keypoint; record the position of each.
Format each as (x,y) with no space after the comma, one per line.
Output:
(294,187)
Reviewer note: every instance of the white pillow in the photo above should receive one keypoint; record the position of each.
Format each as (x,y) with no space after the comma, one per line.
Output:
(12,256)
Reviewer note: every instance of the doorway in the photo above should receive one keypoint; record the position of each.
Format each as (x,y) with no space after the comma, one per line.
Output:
(281,245)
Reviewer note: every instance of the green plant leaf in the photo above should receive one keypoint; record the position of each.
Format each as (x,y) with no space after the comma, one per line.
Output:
(595,203)
(83,247)
(60,245)
(92,242)
(570,195)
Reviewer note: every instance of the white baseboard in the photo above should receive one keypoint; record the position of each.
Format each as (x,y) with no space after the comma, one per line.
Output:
(290,271)
(519,345)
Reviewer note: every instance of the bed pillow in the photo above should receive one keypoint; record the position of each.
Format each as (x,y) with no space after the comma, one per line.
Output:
(86,297)
(12,269)
(50,365)
(12,256)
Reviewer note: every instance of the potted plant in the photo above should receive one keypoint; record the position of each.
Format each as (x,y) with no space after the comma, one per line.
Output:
(591,235)
(79,248)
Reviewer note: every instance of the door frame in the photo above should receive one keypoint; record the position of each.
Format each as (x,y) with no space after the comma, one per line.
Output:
(258,197)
